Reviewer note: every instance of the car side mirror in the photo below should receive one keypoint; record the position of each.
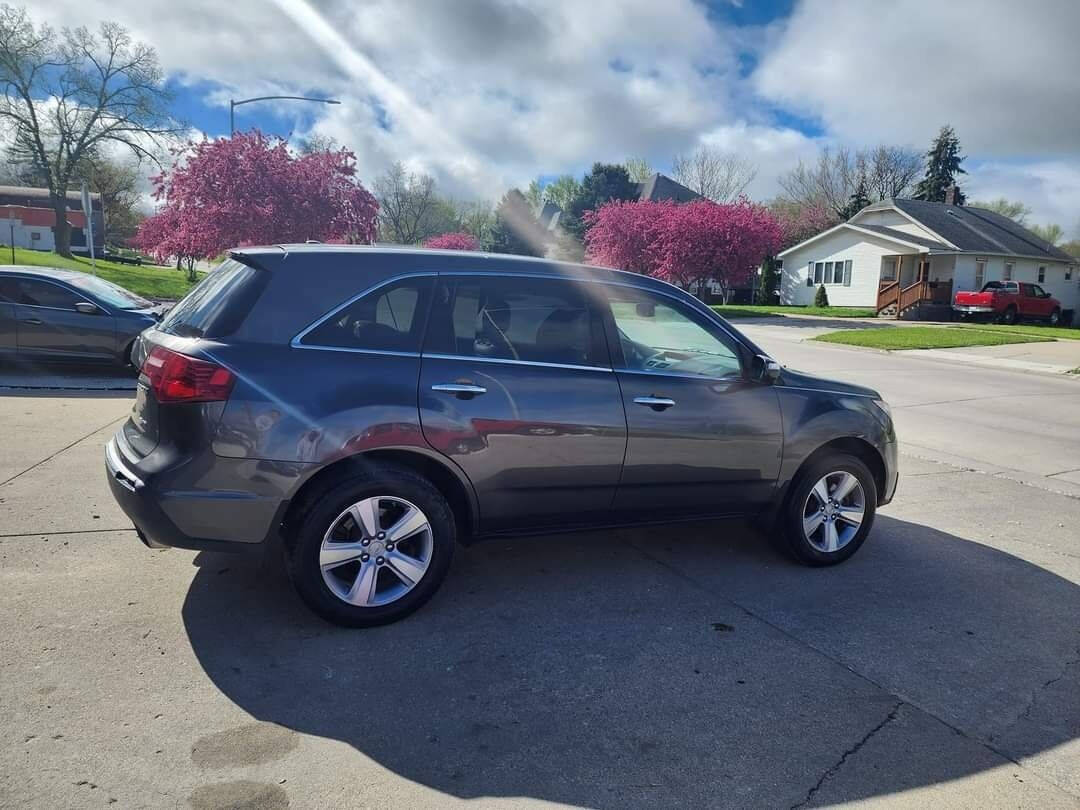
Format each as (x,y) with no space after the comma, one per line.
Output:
(86,308)
(766,369)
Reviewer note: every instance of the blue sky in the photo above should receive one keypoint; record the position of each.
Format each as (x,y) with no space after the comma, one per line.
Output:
(486,94)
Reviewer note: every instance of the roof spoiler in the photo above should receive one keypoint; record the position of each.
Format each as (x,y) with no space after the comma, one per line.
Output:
(247,259)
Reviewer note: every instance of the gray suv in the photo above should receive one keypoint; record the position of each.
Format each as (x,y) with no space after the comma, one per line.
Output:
(372,407)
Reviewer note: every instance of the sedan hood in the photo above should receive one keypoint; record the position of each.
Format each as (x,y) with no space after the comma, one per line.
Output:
(800,379)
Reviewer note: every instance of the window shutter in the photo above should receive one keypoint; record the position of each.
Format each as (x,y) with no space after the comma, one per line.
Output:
(810,275)
(847,273)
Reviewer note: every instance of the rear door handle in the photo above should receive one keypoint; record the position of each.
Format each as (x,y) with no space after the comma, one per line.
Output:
(656,403)
(459,389)
(34,321)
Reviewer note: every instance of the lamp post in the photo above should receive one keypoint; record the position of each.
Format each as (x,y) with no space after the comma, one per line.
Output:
(234,104)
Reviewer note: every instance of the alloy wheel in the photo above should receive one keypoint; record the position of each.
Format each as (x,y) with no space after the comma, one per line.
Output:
(376,551)
(833,511)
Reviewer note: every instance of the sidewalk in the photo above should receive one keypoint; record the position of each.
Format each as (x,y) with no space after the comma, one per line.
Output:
(1059,357)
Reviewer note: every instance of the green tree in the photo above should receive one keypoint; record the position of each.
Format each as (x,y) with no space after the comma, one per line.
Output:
(770,280)
(1072,248)
(606,182)
(516,229)
(1013,209)
(638,169)
(562,191)
(821,298)
(942,167)
(1052,233)
(534,194)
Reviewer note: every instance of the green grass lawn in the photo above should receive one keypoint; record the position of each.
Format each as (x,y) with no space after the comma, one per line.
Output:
(763,311)
(925,337)
(151,281)
(1033,329)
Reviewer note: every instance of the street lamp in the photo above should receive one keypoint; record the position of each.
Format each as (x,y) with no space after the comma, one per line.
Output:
(234,104)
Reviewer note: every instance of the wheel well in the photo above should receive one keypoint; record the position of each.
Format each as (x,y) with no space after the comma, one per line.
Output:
(861,449)
(445,481)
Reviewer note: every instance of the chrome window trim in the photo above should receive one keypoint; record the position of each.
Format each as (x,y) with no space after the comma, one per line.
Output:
(466,358)
(701,377)
(693,304)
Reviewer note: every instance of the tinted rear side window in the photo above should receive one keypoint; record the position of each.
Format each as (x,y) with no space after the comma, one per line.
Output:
(390,318)
(527,319)
(39,293)
(219,303)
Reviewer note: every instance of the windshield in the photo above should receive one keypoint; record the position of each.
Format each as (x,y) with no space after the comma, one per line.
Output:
(109,293)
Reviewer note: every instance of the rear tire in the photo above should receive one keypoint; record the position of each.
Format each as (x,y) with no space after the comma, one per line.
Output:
(1011,316)
(342,557)
(830,511)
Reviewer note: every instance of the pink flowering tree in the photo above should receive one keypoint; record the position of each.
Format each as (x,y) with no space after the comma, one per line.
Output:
(453,241)
(250,189)
(686,243)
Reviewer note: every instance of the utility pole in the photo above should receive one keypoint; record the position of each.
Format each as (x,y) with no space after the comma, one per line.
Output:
(88,212)
(234,104)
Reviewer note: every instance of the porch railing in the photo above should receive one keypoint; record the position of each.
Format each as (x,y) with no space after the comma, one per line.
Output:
(892,294)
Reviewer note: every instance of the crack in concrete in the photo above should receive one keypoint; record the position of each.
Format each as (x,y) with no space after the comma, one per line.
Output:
(37,464)
(832,771)
(1034,699)
(69,531)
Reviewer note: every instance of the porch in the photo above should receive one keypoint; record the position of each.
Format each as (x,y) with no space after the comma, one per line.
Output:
(915,286)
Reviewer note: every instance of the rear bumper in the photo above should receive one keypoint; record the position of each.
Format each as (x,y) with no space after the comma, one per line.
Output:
(201,520)
(973,310)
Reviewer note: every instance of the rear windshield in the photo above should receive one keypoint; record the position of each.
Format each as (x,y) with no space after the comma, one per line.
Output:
(218,304)
(1000,286)
(108,292)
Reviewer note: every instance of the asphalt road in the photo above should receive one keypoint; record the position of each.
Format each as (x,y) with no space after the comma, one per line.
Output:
(1024,426)
(690,666)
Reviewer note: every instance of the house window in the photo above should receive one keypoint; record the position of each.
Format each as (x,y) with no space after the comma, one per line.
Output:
(1068,273)
(1042,275)
(819,273)
(980,273)
(35,236)
(1008,271)
(888,268)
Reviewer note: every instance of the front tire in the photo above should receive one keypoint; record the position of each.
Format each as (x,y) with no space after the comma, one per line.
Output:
(831,510)
(1011,316)
(1055,317)
(373,548)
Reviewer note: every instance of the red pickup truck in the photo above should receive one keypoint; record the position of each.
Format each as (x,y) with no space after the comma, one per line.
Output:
(1008,302)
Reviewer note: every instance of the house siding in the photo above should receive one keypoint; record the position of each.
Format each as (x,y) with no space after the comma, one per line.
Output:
(865,253)
(894,220)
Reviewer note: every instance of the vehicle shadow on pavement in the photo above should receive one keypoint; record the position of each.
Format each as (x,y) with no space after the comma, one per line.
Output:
(686,666)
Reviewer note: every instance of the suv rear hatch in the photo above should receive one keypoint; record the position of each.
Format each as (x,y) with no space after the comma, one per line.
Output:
(181,390)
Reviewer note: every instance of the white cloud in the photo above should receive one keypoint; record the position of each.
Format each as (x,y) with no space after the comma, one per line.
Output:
(1004,74)
(1050,188)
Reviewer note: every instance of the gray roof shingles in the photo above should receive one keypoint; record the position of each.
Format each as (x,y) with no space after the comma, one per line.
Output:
(979,230)
(903,236)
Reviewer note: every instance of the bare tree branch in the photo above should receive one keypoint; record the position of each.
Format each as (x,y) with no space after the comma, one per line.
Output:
(66,96)
(716,175)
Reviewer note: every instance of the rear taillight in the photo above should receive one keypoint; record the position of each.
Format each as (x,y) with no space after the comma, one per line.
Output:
(175,377)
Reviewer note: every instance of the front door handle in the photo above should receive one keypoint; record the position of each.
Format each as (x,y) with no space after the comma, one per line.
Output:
(656,403)
(34,321)
(461,390)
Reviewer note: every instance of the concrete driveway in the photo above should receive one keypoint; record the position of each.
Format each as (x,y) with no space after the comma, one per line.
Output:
(689,666)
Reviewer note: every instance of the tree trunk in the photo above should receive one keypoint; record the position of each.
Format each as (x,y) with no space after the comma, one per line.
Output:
(61,231)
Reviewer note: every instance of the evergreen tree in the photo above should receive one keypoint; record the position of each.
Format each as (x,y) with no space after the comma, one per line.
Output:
(821,299)
(942,167)
(516,229)
(859,199)
(770,280)
(606,182)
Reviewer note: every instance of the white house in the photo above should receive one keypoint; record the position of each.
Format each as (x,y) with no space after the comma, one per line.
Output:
(908,258)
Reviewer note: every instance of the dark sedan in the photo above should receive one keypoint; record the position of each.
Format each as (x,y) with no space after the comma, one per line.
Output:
(51,314)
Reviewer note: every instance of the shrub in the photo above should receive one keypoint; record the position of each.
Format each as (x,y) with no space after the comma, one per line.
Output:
(821,299)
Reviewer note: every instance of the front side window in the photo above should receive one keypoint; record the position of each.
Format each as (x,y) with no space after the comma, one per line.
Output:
(389,319)
(531,320)
(43,294)
(662,336)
